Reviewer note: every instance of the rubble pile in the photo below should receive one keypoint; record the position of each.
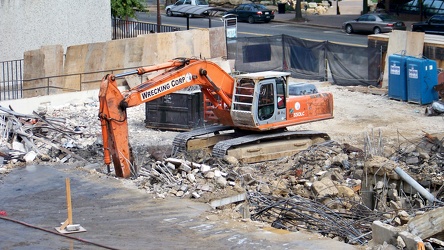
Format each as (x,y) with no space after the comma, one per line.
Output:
(28,138)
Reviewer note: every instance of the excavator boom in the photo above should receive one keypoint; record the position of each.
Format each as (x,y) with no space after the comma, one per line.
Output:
(179,74)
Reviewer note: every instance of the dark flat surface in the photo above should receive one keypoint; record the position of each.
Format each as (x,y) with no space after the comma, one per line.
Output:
(119,216)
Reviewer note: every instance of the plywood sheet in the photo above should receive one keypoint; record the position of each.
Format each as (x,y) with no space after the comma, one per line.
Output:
(402,42)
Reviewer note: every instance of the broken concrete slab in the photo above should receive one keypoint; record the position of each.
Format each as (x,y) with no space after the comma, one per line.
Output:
(228,200)
(428,224)
(382,232)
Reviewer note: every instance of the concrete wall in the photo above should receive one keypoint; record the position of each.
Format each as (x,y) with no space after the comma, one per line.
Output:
(28,25)
(85,65)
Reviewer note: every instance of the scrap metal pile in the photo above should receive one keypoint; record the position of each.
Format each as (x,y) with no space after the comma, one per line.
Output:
(36,137)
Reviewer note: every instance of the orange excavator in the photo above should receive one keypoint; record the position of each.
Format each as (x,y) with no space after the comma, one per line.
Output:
(253,111)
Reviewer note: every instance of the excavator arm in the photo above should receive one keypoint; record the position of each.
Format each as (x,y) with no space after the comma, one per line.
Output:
(179,74)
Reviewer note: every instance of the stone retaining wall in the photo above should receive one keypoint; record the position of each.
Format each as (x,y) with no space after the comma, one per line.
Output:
(48,71)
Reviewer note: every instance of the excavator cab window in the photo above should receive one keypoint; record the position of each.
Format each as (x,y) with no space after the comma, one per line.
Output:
(280,90)
(266,101)
(244,95)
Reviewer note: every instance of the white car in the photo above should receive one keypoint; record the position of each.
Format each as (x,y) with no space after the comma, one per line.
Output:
(170,8)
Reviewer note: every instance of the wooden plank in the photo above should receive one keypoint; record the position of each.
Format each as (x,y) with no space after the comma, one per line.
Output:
(414,44)
(427,224)
(403,42)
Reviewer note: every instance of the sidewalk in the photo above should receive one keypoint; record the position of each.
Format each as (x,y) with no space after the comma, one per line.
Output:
(348,10)
(325,20)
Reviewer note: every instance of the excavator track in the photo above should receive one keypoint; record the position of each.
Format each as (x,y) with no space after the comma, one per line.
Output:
(247,148)
(268,146)
(181,140)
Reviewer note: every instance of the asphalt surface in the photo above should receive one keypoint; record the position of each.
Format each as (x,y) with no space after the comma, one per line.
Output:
(116,215)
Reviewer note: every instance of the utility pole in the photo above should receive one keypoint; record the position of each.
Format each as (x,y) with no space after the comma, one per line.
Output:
(159,21)
(337,8)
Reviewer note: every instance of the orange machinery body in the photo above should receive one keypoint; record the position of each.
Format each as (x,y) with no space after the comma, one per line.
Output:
(257,101)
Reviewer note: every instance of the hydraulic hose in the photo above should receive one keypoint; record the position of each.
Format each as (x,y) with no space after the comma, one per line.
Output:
(57,233)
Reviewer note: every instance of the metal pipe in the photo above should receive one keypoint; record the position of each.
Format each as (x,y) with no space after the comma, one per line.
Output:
(426,194)
(133,72)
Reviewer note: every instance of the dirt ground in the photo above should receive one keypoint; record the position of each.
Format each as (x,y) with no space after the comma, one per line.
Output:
(356,116)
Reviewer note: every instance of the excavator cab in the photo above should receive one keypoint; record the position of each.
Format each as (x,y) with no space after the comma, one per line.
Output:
(259,99)
(267,100)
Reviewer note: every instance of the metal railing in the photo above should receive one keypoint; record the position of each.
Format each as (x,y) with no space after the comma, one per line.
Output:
(11,80)
(127,29)
(50,85)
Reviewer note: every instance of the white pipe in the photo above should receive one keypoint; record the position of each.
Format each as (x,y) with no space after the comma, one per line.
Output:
(426,194)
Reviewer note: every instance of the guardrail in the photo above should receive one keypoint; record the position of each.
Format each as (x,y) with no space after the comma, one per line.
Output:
(127,29)
(11,80)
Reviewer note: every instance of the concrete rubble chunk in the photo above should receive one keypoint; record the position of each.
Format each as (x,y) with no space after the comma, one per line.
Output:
(175,161)
(18,146)
(221,181)
(3,170)
(324,188)
(411,241)
(30,156)
(204,168)
(209,175)
(185,167)
(171,166)
(217,173)
(400,243)
(228,200)
(231,160)
(382,232)
(344,191)
(191,177)
(428,224)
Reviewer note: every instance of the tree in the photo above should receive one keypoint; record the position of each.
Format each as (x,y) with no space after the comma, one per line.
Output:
(298,15)
(125,8)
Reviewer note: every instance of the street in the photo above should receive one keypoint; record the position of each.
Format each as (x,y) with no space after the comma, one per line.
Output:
(262,29)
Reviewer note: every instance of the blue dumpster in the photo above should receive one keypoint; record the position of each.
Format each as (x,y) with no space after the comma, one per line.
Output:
(397,77)
(422,76)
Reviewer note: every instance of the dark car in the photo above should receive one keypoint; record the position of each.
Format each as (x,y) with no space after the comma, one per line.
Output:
(435,25)
(252,13)
(373,23)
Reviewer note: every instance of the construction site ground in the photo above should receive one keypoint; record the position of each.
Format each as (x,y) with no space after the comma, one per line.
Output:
(118,215)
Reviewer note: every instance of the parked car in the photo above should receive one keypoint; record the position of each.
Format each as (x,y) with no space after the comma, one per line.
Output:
(435,25)
(252,13)
(373,23)
(170,9)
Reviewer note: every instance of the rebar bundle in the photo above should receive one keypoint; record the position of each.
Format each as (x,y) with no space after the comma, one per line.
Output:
(297,213)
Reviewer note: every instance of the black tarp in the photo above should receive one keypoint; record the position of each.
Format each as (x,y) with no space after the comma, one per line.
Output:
(347,65)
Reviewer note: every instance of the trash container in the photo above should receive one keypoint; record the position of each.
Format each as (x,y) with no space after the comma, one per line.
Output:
(422,76)
(281,8)
(397,77)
